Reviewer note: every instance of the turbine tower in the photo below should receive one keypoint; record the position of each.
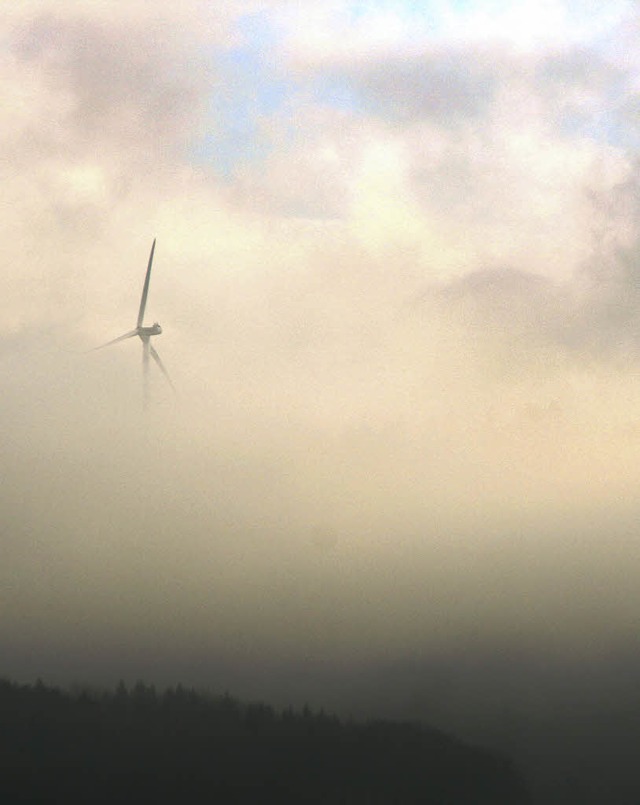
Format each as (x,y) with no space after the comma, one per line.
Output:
(145,333)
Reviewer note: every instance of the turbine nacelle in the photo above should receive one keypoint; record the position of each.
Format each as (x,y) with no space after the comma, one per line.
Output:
(155,329)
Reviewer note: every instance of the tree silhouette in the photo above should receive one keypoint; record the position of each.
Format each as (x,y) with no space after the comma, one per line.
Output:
(179,746)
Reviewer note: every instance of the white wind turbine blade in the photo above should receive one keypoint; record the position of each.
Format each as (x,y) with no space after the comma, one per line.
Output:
(145,372)
(145,289)
(161,365)
(115,340)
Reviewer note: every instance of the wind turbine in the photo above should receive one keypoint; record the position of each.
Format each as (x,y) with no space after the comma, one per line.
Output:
(145,333)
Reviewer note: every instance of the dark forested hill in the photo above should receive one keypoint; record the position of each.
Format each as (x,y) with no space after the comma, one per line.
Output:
(178,746)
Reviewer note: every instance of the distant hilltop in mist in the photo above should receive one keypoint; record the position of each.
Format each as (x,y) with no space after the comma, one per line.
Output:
(178,746)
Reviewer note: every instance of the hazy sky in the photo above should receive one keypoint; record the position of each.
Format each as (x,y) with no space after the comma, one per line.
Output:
(397,271)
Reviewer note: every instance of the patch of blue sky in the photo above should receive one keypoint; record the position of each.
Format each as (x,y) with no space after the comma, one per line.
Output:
(608,130)
(405,9)
(615,122)
(613,128)
(532,22)
(251,86)
(418,17)
(338,93)
(575,20)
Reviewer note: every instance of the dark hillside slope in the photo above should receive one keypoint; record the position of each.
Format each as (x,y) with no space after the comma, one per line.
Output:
(132,746)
